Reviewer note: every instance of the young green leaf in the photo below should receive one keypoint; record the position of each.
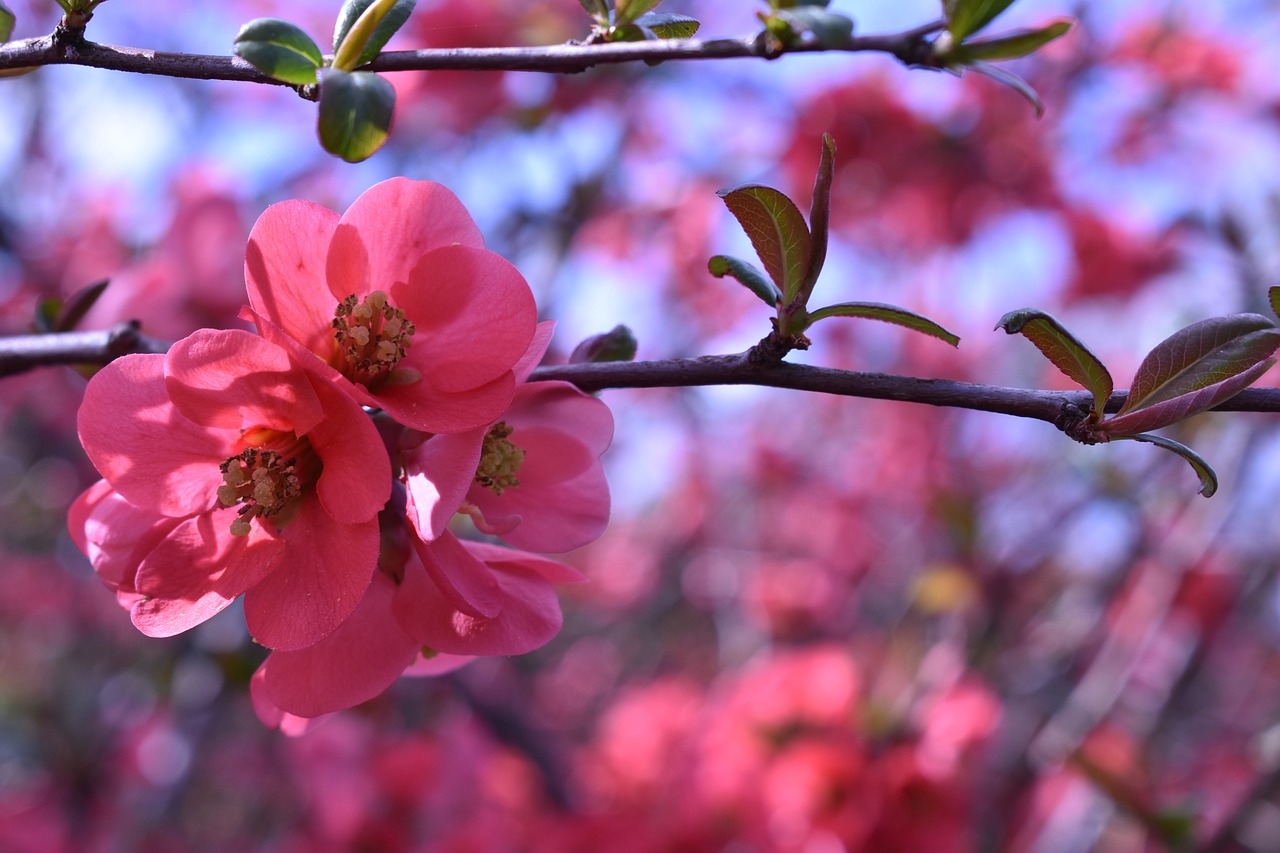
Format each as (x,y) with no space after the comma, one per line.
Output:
(72,311)
(669,26)
(355,113)
(777,231)
(393,15)
(7,20)
(831,29)
(617,344)
(597,9)
(280,50)
(819,217)
(966,17)
(1273,296)
(1008,46)
(887,313)
(746,275)
(1199,356)
(1013,81)
(1156,415)
(1066,352)
(1208,479)
(627,11)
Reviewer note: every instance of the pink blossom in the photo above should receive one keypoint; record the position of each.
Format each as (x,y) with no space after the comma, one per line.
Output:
(227,469)
(532,477)
(405,624)
(398,297)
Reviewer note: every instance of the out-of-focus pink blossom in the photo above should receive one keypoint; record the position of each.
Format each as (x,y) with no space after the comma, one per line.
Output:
(228,469)
(400,300)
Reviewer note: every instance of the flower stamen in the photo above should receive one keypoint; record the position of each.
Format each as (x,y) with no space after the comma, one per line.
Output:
(372,338)
(266,483)
(500,460)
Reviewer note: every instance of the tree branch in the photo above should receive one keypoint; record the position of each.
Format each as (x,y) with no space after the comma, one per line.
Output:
(62,49)
(21,353)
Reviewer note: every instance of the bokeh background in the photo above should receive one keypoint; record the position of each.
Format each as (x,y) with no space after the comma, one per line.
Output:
(815,624)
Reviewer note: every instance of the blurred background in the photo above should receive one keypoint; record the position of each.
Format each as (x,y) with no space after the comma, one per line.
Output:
(815,624)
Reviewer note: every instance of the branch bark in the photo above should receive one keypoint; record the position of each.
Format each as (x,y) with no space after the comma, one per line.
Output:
(21,353)
(60,49)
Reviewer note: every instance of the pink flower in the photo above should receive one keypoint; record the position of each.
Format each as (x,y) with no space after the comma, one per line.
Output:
(406,625)
(399,297)
(532,477)
(228,469)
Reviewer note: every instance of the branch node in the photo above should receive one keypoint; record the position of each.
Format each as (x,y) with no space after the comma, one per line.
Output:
(774,346)
(124,338)
(1076,421)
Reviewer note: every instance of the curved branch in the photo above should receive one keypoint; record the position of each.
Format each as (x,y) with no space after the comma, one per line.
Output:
(59,49)
(21,353)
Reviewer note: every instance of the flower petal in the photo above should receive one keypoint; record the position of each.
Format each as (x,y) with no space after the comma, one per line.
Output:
(116,536)
(441,470)
(144,447)
(530,616)
(555,517)
(388,229)
(197,570)
(354,664)
(537,349)
(422,406)
(474,313)
(233,379)
(272,717)
(465,581)
(561,406)
(324,574)
(356,480)
(284,270)
(509,559)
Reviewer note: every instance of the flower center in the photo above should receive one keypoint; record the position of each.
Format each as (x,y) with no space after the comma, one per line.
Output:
(500,460)
(267,482)
(372,337)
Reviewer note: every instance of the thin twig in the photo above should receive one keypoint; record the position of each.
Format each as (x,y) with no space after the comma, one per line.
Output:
(57,49)
(21,353)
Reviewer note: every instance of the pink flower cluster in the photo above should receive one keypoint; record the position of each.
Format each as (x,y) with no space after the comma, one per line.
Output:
(315,468)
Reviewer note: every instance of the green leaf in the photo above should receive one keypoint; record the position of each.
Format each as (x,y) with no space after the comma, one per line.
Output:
(1201,355)
(777,231)
(392,20)
(966,17)
(7,20)
(355,112)
(597,9)
(1066,352)
(1208,479)
(1013,81)
(1273,295)
(627,11)
(831,29)
(280,50)
(747,275)
(1009,46)
(617,344)
(47,314)
(887,313)
(819,217)
(630,32)
(670,26)
(72,311)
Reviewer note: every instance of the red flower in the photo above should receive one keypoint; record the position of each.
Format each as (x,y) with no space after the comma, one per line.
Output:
(228,469)
(406,625)
(399,298)
(532,476)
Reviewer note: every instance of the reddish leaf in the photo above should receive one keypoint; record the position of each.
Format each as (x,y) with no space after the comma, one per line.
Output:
(777,231)
(1202,355)
(1179,408)
(1064,350)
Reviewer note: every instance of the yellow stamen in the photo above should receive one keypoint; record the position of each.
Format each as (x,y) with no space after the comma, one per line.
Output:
(372,338)
(500,460)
